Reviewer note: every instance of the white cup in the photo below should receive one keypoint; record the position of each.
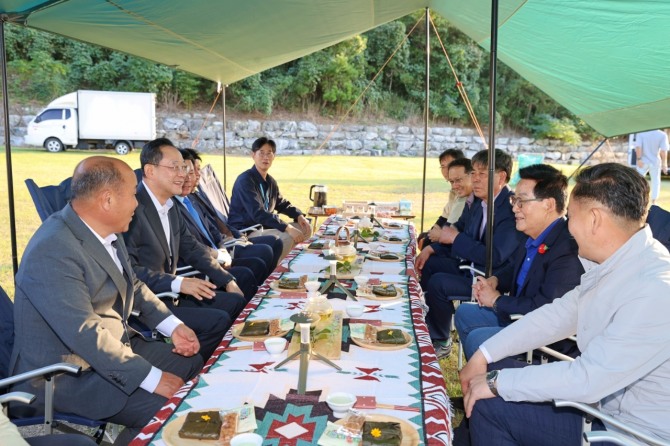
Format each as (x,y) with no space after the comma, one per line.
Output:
(275,345)
(355,310)
(246,439)
(361,282)
(340,403)
(312,286)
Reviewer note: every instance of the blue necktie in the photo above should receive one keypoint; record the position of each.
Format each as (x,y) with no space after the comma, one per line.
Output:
(198,221)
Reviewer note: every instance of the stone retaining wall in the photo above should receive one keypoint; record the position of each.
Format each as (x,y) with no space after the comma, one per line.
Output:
(304,137)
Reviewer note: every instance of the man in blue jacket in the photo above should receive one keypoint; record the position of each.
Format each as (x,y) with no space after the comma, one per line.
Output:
(545,267)
(256,197)
(465,242)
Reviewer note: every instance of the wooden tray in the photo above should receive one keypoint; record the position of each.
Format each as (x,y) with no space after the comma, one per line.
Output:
(373,257)
(331,350)
(410,436)
(275,286)
(170,434)
(384,239)
(372,296)
(382,347)
(237,329)
(393,225)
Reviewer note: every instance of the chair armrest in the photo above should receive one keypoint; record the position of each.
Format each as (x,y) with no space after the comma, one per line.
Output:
(611,437)
(19,397)
(46,372)
(588,409)
(251,229)
(474,270)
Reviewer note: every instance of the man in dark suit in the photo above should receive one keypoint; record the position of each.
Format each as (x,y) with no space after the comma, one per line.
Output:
(204,205)
(75,290)
(545,267)
(466,241)
(258,258)
(157,238)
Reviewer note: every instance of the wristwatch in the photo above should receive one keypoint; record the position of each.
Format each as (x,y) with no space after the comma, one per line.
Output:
(492,381)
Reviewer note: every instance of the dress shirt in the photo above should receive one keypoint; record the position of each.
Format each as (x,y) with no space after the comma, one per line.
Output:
(532,245)
(163,210)
(166,327)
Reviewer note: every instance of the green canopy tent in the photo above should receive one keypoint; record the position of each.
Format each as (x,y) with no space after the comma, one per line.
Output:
(604,60)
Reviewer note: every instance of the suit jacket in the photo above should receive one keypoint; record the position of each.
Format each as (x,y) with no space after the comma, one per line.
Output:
(152,259)
(72,304)
(469,246)
(204,206)
(659,221)
(550,276)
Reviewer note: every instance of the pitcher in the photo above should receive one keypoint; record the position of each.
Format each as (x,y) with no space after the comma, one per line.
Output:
(320,195)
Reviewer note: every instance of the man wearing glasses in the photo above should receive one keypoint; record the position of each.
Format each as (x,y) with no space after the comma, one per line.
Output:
(544,268)
(157,238)
(256,200)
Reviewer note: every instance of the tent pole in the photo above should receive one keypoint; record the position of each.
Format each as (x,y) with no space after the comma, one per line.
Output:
(587,158)
(425,117)
(223,101)
(492,136)
(8,147)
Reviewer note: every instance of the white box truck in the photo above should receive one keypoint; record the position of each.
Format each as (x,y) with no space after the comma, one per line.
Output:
(95,119)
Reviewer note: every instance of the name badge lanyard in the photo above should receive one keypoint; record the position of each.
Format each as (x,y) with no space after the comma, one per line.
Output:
(266,198)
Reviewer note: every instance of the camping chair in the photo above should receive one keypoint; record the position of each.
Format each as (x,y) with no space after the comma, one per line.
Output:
(50,417)
(210,186)
(659,223)
(49,199)
(457,300)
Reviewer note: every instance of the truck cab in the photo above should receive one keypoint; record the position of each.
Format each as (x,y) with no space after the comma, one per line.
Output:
(55,127)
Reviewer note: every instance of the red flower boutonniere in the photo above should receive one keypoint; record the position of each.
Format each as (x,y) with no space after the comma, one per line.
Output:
(542,248)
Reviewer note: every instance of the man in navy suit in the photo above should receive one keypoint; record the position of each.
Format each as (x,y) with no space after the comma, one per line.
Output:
(466,242)
(157,238)
(544,268)
(257,258)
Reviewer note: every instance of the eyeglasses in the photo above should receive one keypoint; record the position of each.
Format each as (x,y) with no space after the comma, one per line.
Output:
(176,169)
(514,201)
(457,180)
(265,154)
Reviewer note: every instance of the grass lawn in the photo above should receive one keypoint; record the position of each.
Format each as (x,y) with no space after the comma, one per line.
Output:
(359,178)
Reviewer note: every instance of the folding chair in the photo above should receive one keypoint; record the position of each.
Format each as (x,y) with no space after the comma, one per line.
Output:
(457,300)
(50,417)
(210,186)
(611,436)
(49,199)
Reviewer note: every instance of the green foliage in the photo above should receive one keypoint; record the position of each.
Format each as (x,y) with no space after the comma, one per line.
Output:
(42,66)
(561,129)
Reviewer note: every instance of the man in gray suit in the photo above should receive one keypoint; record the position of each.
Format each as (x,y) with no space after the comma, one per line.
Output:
(75,290)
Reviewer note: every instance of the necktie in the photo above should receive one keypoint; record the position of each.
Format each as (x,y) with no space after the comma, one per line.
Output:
(198,221)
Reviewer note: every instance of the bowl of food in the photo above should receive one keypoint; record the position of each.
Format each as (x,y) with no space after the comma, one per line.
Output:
(340,403)
(329,209)
(355,309)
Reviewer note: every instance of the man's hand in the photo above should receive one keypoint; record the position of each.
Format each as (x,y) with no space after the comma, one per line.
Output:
(304,224)
(478,390)
(224,258)
(185,341)
(423,257)
(168,385)
(475,366)
(485,292)
(198,288)
(296,234)
(232,287)
(434,233)
(448,235)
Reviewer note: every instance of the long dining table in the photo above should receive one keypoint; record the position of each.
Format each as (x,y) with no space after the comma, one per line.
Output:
(402,384)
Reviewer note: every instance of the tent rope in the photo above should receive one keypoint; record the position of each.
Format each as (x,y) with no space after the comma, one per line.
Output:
(204,122)
(460,87)
(339,124)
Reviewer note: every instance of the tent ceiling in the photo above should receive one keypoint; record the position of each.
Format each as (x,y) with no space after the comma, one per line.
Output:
(607,61)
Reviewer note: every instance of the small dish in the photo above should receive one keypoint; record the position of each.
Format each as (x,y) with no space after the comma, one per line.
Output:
(312,286)
(275,345)
(246,439)
(355,310)
(340,403)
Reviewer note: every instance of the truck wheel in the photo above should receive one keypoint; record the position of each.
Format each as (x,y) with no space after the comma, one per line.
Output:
(122,148)
(53,145)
